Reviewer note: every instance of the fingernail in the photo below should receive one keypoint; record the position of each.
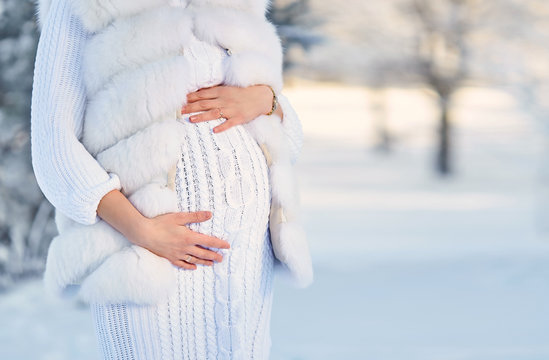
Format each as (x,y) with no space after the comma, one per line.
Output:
(192,118)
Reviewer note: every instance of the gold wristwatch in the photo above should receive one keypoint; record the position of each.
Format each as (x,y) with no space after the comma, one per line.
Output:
(275,102)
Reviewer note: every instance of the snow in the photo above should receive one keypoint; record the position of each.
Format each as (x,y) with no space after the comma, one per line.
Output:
(407,265)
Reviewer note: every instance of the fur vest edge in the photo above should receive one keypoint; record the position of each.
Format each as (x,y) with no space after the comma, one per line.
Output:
(97,259)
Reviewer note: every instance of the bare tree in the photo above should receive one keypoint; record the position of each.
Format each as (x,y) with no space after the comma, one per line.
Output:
(406,43)
(441,57)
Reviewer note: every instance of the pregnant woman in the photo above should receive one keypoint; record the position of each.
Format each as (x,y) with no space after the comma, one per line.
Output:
(166,214)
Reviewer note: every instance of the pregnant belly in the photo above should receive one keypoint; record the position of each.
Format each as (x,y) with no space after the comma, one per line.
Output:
(225,173)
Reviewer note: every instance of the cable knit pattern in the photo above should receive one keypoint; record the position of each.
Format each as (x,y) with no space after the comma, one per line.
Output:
(219,312)
(68,175)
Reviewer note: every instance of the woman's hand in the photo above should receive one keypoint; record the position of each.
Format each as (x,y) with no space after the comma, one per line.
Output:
(165,235)
(238,105)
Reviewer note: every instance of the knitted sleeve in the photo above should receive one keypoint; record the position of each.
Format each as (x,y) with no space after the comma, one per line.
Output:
(292,127)
(68,175)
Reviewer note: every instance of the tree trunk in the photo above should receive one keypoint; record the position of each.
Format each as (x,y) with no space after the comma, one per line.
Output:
(380,118)
(443,156)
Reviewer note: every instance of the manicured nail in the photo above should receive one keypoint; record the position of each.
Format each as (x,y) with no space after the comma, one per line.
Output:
(192,118)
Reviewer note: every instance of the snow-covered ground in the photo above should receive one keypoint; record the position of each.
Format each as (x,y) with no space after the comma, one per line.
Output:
(408,266)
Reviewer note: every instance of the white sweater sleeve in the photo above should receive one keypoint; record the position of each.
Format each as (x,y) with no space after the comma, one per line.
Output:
(68,175)
(291,126)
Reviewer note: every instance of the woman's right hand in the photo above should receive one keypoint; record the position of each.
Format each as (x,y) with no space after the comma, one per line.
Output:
(168,236)
(165,235)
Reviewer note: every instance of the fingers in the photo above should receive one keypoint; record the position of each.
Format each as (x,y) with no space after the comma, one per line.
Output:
(226,125)
(197,238)
(201,105)
(204,93)
(209,241)
(208,115)
(192,265)
(195,260)
(184,265)
(193,217)
(204,254)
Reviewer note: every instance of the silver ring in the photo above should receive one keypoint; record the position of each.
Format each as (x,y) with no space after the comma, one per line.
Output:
(221,114)
(188,258)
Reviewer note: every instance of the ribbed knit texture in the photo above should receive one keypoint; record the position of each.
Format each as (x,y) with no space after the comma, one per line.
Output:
(218,312)
(70,178)
(223,311)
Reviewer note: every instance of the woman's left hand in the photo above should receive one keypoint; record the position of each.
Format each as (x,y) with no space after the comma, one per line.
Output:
(238,105)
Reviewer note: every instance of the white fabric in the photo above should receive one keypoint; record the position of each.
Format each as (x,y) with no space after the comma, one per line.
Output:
(130,128)
(218,312)
(68,175)
(70,178)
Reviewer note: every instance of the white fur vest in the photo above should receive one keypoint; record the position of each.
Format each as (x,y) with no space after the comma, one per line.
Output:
(136,83)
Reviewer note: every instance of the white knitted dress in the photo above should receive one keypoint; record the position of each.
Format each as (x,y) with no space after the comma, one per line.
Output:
(220,311)
(217,312)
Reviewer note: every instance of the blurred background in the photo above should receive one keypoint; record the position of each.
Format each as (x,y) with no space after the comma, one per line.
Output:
(424,181)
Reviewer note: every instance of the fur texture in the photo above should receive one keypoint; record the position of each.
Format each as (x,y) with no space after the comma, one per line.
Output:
(97,14)
(124,105)
(145,155)
(42,8)
(161,32)
(131,126)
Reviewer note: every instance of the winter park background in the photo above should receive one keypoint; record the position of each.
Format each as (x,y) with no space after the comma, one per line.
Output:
(424,181)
